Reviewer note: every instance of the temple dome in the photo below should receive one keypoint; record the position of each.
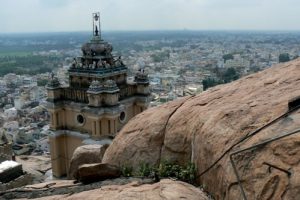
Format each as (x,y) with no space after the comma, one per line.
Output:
(53,83)
(141,77)
(94,48)
(110,85)
(95,86)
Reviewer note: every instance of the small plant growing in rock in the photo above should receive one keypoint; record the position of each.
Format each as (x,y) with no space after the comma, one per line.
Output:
(188,173)
(126,170)
(185,173)
(145,170)
(165,169)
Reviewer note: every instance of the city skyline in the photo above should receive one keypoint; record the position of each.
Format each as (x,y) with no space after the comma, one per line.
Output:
(67,15)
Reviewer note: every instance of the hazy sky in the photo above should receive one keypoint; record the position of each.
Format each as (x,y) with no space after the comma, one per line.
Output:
(75,15)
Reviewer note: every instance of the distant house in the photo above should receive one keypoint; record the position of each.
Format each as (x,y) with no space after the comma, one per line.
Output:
(10,113)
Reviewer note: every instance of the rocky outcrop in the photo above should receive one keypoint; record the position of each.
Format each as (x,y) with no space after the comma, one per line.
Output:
(36,166)
(143,138)
(206,129)
(125,188)
(88,173)
(166,189)
(86,154)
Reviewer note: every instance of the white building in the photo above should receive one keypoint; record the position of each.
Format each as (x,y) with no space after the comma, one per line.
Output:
(29,82)
(19,102)
(12,128)
(35,94)
(10,113)
(193,89)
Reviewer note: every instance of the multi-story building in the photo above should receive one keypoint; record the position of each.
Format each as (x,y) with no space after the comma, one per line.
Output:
(97,103)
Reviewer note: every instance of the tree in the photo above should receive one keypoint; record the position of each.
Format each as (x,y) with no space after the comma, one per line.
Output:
(227,57)
(209,82)
(284,57)
(42,82)
(230,75)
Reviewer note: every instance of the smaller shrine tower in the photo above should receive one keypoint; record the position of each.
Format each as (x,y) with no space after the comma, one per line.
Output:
(96,104)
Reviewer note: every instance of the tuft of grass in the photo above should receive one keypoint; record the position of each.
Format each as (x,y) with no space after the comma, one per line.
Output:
(145,170)
(126,171)
(185,173)
(165,169)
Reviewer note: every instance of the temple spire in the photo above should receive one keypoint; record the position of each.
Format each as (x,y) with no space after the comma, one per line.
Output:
(96,25)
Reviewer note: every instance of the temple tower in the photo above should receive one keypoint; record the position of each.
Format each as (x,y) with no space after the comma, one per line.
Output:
(98,102)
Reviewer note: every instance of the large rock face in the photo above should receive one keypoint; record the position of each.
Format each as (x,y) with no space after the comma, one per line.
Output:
(200,129)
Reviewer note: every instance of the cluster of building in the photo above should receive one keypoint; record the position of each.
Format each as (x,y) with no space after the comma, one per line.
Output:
(23,116)
(182,68)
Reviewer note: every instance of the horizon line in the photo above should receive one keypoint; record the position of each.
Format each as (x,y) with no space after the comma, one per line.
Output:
(158,30)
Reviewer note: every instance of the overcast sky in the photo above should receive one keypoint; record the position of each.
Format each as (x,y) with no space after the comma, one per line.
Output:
(75,15)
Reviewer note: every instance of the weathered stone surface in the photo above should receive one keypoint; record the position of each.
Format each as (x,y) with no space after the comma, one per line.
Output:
(165,189)
(36,166)
(62,187)
(88,173)
(202,128)
(85,155)
(145,137)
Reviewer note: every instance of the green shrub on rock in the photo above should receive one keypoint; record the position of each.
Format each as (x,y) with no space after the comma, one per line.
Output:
(165,169)
(126,171)
(145,170)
